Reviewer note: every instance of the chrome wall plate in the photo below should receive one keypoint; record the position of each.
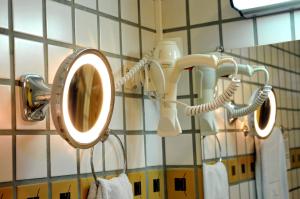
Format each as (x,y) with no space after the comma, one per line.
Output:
(35,96)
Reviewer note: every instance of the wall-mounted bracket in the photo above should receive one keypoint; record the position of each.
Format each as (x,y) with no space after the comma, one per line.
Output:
(35,96)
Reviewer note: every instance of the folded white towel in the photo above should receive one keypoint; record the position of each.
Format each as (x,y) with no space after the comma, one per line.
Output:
(215,181)
(270,171)
(116,188)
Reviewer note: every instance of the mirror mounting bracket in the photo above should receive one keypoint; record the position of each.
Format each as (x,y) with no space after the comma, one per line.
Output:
(35,97)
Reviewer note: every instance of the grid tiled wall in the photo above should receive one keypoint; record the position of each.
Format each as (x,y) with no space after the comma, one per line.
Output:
(204,26)
(35,36)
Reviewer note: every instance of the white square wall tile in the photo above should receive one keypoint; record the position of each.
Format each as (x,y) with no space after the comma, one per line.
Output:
(4,57)
(209,147)
(205,39)
(85,155)
(297,22)
(267,26)
(115,64)
(241,143)
(134,114)
(135,151)
(174,14)
(109,35)
(130,41)
(152,114)
(203,11)
(154,150)
(179,150)
(183,86)
(129,10)
(56,56)
(28,16)
(4,13)
(238,34)
(231,144)
(147,8)
(31,156)
(109,7)
(244,190)
(21,124)
(59,22)
(234,192)
(87,3)
(5,107)
(25,50)
(113,153)
(86,29)
(6,158)
(148,41)
(63,157)
(198,149)
(184,120)
(117,122)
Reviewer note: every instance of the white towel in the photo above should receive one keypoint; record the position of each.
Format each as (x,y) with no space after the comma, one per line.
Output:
(215,181)
(116,188)
(270,167)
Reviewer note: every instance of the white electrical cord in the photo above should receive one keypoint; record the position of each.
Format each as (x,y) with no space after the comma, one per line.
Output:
(136,68)
(258,101)
(220,100)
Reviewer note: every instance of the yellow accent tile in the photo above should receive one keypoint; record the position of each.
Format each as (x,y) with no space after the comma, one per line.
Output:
(243,168)
(251,161)
(6,193)
(188,174)
(232,170)
(30,191)
(61,187)
(200,182)
(135,178)
(154,175)
(85,184)
(297,158)
(293,158)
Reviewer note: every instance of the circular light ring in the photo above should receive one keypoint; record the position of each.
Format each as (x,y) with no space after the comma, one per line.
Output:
(59,98)
(266,131)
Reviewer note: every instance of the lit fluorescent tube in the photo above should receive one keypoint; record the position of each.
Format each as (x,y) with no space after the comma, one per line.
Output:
(251,8)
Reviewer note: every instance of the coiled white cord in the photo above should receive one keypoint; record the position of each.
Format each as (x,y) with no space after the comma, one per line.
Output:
(220,100)
(258,101)
(136,68)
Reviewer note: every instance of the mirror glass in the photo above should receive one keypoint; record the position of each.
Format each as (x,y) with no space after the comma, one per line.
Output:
(85,98)
(263,114)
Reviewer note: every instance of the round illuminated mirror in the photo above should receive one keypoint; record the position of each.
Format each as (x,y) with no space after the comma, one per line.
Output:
(82,98)
(263,119)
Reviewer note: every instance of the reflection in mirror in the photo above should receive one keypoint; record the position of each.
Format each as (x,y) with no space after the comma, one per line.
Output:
(85,98)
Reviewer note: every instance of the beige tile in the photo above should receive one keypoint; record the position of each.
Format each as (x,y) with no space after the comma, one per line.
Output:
(59,22)
(266,26)
(147,8)
(129,10)
(4,57)
(63,157)
(130,41)
(5,107)
(179,150)
(31,157)
(154,150)
(85,166)
(86,29)
(205,39)
(134,114)
(109,35)
(113,154)
(4,13)
(25,50)
(135,151)
(109,7)
(173,19)
(87,3)
(6,159)
(28,16)
(203,11)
